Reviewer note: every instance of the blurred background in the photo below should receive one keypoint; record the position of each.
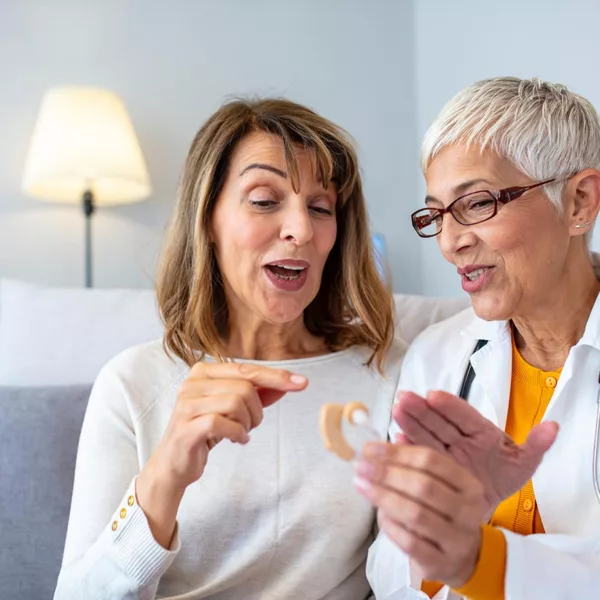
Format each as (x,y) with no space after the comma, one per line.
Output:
(380,68)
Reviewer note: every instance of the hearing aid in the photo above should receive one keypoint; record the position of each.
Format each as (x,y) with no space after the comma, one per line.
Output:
(331,426)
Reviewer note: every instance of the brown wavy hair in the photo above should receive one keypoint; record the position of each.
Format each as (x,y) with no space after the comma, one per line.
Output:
(353,305)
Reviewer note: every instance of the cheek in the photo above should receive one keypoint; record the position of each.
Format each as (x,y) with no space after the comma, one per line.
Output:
(250,239)
(241,239)
(504,240)
(532,228)
(325,236)
(524,250)
(508,238)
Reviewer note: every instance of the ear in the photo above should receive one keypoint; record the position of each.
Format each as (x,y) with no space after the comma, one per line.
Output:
(584,202)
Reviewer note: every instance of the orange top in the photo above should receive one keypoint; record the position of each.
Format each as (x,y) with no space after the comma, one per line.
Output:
(530,394)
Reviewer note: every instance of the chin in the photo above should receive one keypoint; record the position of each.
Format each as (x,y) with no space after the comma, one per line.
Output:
(491,308)
(282,312)
(281,307)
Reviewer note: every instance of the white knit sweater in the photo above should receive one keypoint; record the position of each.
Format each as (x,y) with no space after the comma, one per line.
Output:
(275,519)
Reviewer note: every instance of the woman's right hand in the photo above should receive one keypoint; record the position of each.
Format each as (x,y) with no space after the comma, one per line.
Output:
(218,401)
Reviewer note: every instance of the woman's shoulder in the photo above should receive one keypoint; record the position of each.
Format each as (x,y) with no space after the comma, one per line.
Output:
(357,358)
(446,332)
(149,359)
(438,351)
(141,374)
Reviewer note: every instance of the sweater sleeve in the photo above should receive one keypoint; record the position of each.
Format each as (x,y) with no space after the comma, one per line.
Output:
(110,552)
(487,581)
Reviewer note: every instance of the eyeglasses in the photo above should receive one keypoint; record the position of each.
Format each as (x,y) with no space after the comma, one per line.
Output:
(470,209)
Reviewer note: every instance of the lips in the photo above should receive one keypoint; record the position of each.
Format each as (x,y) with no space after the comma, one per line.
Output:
(470,268)
(287,274)
(475,277)
(287,269)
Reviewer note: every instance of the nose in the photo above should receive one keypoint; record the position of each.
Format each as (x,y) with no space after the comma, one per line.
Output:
(297,226)
(455,238)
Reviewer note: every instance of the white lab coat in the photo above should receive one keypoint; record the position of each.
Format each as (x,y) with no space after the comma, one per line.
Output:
(563,563)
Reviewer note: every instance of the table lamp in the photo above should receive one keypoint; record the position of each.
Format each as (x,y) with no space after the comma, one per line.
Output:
(84,149)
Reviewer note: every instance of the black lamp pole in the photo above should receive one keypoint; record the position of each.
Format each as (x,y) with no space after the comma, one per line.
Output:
(88,211)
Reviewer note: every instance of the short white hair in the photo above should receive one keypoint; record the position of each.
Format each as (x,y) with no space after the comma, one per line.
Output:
(544,129)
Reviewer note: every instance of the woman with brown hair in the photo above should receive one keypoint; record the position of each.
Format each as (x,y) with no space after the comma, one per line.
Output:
(267,286)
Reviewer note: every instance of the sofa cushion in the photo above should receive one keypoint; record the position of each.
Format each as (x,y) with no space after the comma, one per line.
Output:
(416,313)
(39,432)
(64,336)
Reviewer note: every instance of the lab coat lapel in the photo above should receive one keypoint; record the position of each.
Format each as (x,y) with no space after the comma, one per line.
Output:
(492,365)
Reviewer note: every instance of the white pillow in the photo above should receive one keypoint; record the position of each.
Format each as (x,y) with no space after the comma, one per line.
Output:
(416,313)
(62,336)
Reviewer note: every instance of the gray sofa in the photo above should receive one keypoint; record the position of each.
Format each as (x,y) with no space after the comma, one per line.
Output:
(39,426)
(39,432)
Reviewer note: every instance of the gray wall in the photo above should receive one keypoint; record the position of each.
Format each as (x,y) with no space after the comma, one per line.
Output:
(463,41)
(173,63)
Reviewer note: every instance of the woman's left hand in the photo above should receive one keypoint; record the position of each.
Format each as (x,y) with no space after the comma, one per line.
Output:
(449,425)
(429,506)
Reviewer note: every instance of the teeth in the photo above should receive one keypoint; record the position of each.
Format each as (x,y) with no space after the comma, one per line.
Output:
(279,271)
(475,274)
(290,268)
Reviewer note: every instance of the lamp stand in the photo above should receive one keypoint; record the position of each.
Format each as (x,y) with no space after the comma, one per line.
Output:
(88,211)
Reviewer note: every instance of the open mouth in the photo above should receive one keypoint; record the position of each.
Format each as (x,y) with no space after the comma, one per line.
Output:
(286,273)
(473,275)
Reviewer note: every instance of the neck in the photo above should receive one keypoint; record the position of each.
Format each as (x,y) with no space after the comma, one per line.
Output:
(546,334)
(257,340)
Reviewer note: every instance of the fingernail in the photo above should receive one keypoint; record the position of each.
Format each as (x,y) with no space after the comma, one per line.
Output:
(298,379)
(362,484)
(246,439)
(365,469)
(375,450)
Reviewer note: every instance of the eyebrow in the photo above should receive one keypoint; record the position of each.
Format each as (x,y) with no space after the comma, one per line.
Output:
(265,167)
(460,189)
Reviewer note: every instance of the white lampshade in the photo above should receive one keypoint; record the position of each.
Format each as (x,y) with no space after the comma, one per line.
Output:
(84,140)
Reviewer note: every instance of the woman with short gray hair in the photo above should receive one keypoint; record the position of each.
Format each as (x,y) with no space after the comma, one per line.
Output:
(499,497)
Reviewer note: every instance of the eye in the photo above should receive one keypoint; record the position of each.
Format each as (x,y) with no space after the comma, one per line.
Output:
(321,210)
(322,206)
(480,203)
(263,204)
(262,197)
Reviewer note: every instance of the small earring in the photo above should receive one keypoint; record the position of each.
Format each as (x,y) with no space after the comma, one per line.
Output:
(586,224)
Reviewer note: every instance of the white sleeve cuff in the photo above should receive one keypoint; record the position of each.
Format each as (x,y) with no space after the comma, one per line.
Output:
(141,556)
(391,574)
